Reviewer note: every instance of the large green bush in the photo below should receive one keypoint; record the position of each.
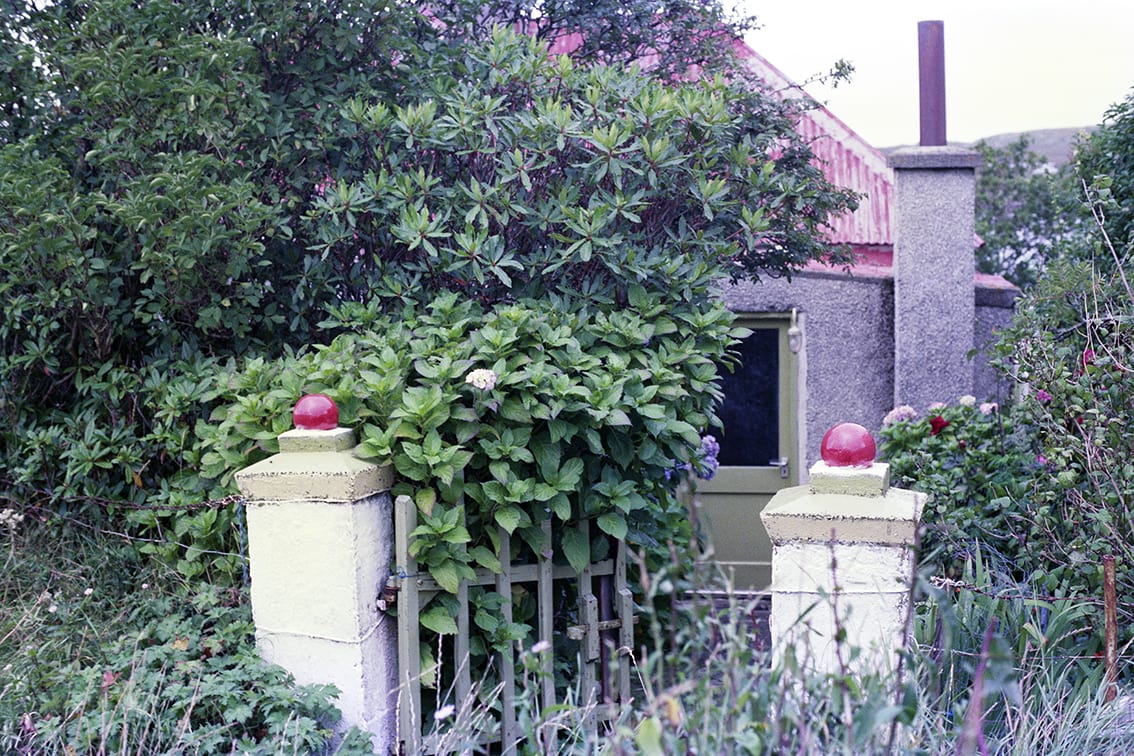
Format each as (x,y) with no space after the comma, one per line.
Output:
(213,178)
(183,183)
(579,414)
(153,176)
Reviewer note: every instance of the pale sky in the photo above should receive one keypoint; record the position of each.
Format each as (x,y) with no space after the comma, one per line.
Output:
(1010,65)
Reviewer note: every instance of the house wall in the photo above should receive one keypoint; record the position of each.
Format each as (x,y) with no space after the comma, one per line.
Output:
(847,365)
(995,304)
(848,347)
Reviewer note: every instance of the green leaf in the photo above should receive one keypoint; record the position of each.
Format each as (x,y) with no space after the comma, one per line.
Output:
(614,524)
(447,576)
(561,506)
(483,556)
(577,548)
(512,409)
(509,517)
(425,498)
(438,619)
(649,737)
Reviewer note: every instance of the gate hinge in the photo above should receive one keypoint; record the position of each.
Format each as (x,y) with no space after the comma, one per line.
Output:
(389,595)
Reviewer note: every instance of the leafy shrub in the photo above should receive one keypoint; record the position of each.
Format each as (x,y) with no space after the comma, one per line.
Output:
(152,178)
(1074,348)
(1048,485)
(1026,211)
(514,175)
(507,416)
(1105,166)
(253,170)
(975,463)
(102,653)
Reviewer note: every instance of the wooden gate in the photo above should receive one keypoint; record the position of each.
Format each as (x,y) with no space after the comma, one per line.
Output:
(605,632)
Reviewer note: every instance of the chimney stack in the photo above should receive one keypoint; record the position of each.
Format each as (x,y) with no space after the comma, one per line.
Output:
(931,81)
(934,296)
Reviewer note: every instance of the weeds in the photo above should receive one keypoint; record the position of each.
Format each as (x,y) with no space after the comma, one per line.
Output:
(102,654)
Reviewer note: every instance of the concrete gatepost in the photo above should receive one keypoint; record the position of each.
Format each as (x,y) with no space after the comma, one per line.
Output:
(842,559)
(320,544)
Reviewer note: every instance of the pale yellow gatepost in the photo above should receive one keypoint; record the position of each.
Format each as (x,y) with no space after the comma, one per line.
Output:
(320,546)
(843,559)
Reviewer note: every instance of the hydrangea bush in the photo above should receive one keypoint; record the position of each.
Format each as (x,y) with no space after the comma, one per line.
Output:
(508,417)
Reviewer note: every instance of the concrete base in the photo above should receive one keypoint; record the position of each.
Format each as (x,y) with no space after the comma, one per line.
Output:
(365,673)
(860,594)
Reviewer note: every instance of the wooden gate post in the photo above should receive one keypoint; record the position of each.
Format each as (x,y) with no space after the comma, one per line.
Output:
(320,542)
(843,559)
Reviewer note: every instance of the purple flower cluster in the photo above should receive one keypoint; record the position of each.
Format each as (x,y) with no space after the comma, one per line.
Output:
(710,450)
(704,465)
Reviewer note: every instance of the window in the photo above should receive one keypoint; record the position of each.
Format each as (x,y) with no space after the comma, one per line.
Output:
(750,412)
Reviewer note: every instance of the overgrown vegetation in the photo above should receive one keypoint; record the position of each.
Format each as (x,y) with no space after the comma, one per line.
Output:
(100,653)
(519,252)
(201,182)
(1027,212)
(1046,484)
(132,667)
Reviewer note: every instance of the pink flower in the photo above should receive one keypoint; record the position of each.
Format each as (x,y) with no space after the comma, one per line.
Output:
(323,185)
(898,414)
(1042,396)
(988,408)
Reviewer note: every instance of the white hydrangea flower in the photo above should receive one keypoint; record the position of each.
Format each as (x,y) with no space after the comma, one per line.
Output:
(482,378)
(989,407)
(968,400)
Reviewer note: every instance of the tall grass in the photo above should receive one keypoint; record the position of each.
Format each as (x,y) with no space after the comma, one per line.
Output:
(993,668)
(100,653)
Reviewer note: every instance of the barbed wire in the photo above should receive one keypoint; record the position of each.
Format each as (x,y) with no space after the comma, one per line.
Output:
(953,584)
(107,503)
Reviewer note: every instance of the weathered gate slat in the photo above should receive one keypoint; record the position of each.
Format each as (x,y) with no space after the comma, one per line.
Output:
(415,590)
(588,651)
(461,646)
(625,609)
(409,638)
(509,733)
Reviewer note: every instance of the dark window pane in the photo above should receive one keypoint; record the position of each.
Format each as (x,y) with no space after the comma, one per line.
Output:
(751,409)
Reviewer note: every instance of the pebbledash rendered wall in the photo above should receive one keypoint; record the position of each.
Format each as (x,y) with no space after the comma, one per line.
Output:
(898,327)
(847,355)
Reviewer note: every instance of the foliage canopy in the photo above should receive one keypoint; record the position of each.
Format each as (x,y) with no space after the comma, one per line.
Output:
(1027,211)
(176,189)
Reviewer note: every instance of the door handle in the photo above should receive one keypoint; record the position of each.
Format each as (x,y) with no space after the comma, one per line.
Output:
(781,463)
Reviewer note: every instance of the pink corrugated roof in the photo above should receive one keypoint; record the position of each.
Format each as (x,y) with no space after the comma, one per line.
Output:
(847,160)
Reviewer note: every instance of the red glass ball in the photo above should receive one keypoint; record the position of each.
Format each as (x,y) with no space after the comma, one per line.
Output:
(848,445)
(316,412)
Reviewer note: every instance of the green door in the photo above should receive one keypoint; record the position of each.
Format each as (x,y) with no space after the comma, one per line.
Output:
(758,443)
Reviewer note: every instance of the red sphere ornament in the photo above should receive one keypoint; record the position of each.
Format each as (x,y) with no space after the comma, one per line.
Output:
(848,445)
(316,412)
